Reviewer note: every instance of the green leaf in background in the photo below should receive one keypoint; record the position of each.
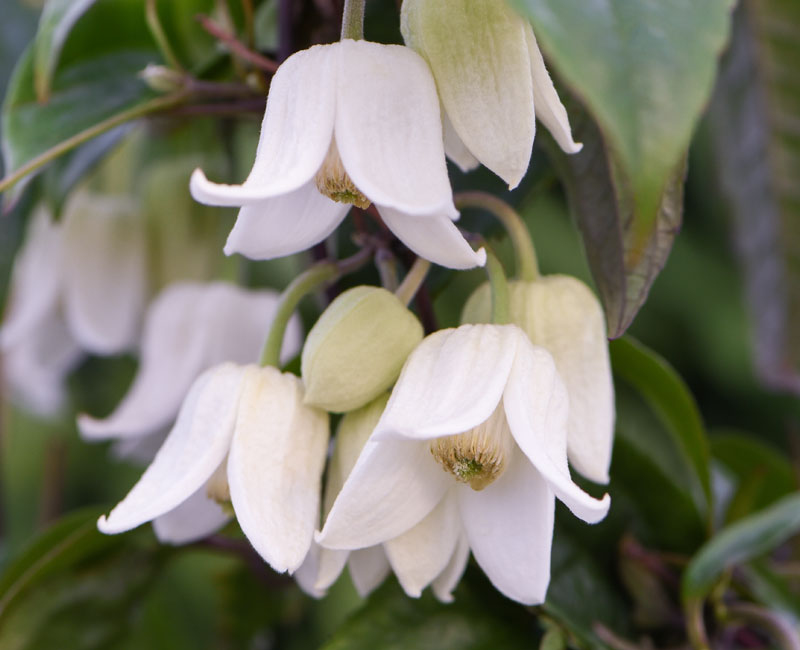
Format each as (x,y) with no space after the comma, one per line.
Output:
(748,538)
(658,418)
(753,127)
(644,71)
(55,23)
(390,620)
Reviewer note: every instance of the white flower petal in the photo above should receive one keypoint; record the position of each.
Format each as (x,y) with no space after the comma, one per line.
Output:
(393,486)
(455,148)
(284,224)
(307,572)
(435,238)
(140,450)
(368,569)
(423,552)
(295,135)
(561,314)
(536,405)
(36,281)
(104,272)
(451,383)
(192,451)
(194,519)
(509,526)
(448,579)
(549,109)
(275,466)
(479,58)
(330,564)
(388,128)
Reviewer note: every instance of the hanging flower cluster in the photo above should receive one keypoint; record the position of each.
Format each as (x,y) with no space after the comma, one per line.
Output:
(453,443)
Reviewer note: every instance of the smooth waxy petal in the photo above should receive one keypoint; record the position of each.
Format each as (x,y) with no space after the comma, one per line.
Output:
(105,277)
(509,526)
(420,554)
(435,238)
(447,580)
(549,109)
(388,128)
(284,224)
(368,569)
(295,134)
(562,314)
(455,148)
(275,466)
(307,572)
(536,406)
(451,383)
(393,486)
(479,57)
(191,453)
(36,281)
(194,519)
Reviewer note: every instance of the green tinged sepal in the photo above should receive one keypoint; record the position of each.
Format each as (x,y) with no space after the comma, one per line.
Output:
(357,348)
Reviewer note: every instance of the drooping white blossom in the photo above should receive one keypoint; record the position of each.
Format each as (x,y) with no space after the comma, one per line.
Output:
(352,122)
(475,433)
(492,81)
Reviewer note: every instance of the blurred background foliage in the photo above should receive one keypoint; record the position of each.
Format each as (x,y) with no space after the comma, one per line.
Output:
(707,451)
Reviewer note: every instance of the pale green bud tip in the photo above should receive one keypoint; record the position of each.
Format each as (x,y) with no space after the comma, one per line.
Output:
(161,79)
(357,348)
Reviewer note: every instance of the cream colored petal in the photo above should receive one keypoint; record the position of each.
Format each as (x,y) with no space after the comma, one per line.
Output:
(295,135)
(419,555)
(275,466)
(435,238)
(479,58)
(451,383)
(509,526)
(536,405)
(284,224)
(368,569)
(455,148)
(549,109)
(389,131)
(191,453)
(306,574)
(105,272)
(194,519)
(561,314)
(448,579)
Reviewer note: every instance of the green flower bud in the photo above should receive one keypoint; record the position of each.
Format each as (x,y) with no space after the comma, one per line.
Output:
(357,348)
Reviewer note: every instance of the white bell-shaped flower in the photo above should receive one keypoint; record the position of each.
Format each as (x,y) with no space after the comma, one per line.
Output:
(474,433)
(352,122)
(243,434)
(491,79)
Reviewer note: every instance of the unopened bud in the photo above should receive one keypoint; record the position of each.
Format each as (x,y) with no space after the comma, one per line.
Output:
(161,78)
(357,348)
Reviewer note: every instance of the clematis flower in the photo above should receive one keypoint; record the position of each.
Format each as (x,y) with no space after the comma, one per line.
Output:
(476,430)
(351,123)
(491,79)
(77,286)
(189,328)
(369,566)
(561,314)
(242,435)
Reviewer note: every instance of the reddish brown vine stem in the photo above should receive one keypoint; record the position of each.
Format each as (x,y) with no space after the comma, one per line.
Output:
(236,46)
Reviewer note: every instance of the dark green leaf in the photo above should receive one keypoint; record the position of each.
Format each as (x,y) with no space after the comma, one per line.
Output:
(747,538)
(753,127)
(55,23)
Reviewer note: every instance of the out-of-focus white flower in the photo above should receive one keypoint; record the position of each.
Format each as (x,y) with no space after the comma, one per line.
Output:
(561,314)
(189,328)
(491,79)
(77,285)
(352,122)
(474,432)
(244,435)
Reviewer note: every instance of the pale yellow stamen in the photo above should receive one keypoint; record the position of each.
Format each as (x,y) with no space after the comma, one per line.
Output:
(217,486)
(332,181)
(479,456)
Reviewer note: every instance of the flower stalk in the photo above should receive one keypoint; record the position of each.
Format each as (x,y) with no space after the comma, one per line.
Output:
(413,280)
(501,310)
(353,19)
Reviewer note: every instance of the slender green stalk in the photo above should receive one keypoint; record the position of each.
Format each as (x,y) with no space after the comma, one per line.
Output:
(413,280)
(317,276)
(695,626)
(249,23)
(152,106)
(524,251)
(160,37)
(353,19)
(501,313)
(387,269)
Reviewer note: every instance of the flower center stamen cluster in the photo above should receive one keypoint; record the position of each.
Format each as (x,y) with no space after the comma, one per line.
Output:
(333,181)
(479,456)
